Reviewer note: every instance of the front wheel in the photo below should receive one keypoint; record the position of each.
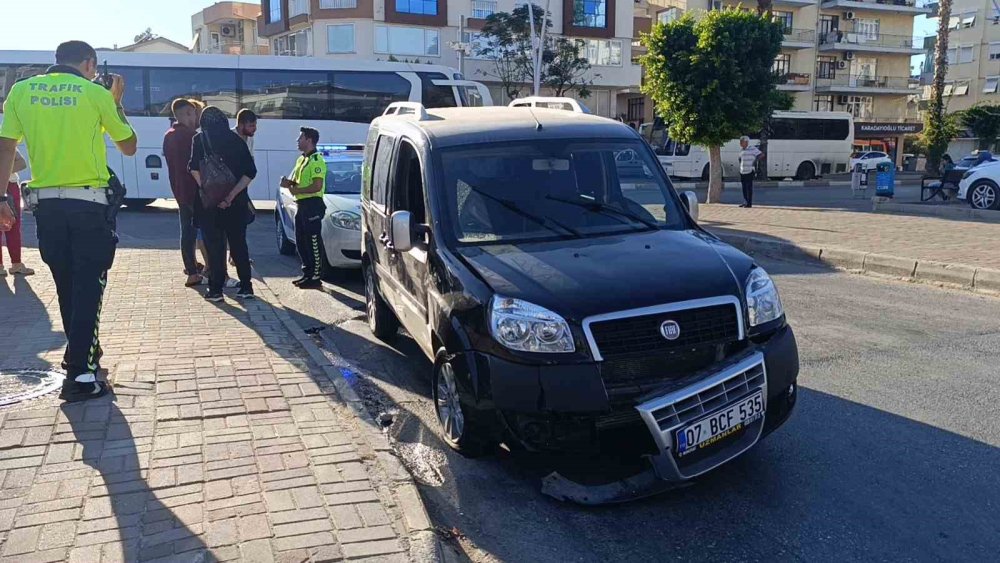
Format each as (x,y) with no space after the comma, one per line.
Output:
(806,171)
(984,195)
(285,246)
(458,425)
(381,320)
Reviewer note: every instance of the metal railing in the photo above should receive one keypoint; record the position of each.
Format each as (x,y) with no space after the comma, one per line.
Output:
(338,4)
(795,79)
(482,9)
(860,39)
(800,35)
(233,48)
(906,3)
(864,81)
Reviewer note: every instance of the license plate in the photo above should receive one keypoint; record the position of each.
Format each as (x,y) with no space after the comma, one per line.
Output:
(720,424)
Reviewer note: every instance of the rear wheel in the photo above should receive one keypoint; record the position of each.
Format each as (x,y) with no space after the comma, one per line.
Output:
(381,320)
(984,195)
(705,173)
(285,246)
(806,171)
(459,426)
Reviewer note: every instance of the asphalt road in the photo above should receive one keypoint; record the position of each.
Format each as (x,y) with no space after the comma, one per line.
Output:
(892,454)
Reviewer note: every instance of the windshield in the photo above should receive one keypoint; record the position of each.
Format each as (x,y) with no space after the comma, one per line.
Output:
(343,177)
(536,190)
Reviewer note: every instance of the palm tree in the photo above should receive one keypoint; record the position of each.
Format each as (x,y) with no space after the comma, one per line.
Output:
(937,141)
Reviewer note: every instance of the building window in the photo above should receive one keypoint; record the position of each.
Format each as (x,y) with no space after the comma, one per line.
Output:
(948,89)
(274,11)
(590,13)
(419,7)
(992,84)
(826,67)
(969,20)
(995,51)
(602,52)
(952,56)
(867,29)
(954,22)
(395,40)
(668,15)
(823,103)
(961,89)
(965,54)
(216,41)
(340,38)
(861,107)
(636,109)
(785,19)
(782,65)
(482,9)
(299,8)
(338,4)
(294,44)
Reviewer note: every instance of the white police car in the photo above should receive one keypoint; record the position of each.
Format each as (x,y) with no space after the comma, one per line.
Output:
(342,224)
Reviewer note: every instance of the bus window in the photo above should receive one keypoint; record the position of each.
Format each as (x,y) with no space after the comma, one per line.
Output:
(434,96)
(11,74)
(215,87)
(360,97)
(279,94)
(134,100)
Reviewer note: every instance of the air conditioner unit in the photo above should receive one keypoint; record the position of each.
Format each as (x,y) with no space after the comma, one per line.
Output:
(841,100)
(849,15)
(228,31)
(841,65)
(848,55)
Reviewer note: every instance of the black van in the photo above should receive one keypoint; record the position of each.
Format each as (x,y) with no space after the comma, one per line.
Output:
(564,292)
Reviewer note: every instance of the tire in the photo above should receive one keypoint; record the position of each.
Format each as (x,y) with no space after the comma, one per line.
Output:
(705,174)
(138,203)
(285,246)
(459,427)
(984,195)
(381,320)
(806,171)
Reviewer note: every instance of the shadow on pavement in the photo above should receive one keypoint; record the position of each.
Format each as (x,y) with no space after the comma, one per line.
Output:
(147,526)
(28,329)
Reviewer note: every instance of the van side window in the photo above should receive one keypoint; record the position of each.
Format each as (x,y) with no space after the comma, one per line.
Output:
(682,149)
(408,189)
(380,170)
(369,162)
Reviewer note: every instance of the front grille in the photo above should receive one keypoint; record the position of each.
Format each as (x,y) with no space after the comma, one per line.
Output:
(640,336)
(689,408)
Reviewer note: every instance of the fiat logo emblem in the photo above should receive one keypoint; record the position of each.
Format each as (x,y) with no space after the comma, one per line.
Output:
(670,330)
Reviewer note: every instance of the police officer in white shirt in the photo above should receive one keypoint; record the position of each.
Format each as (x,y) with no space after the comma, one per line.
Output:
(748,158)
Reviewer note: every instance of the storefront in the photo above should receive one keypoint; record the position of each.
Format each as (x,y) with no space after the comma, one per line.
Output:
(884,136)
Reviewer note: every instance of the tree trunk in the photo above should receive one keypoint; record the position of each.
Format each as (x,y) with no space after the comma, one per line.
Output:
(936,145)
(714,174)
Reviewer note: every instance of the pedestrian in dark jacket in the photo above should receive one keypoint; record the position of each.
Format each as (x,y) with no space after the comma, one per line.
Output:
(228,222)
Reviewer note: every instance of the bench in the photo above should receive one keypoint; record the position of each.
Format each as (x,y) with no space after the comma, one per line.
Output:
(931,186)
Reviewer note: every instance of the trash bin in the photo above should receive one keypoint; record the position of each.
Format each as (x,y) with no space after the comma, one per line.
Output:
(885,180)
(859,181)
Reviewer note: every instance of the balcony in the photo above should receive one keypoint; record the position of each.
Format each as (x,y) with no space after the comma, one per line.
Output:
(793,3)
(864,84)
(799,39)
(841,40)
(795,82)
(482,9)
(915,7)
(235,48)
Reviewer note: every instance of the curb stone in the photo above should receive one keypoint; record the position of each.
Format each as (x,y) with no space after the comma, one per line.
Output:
(963,276)
(423,543)
(962,212)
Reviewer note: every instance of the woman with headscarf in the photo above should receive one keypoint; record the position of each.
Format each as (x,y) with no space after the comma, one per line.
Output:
(227,222)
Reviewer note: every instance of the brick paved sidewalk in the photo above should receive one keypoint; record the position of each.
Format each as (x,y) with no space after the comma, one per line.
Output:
(222,442)
(921,238)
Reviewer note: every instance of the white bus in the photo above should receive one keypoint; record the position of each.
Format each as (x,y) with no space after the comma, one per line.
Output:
(802,145)
(337,97)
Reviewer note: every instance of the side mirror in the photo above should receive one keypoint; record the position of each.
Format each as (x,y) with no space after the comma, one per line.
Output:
(401,229)
(690,201)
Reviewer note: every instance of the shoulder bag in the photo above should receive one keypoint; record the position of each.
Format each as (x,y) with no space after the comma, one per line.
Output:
(217,180)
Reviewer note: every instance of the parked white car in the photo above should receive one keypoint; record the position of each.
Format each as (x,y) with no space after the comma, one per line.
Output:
(980,186)
(342,223)
(869,160)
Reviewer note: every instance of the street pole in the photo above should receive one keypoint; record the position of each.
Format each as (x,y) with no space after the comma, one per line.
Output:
(461,52)
(538,44)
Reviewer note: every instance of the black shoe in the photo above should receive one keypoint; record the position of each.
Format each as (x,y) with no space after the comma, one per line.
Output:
(743,205)
(300,280)
(213,296)
(73,391)
(245,292)
(311,283)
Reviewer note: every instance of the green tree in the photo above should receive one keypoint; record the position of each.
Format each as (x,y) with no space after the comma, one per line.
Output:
(564,70)
(711,79)
(937,127)
(984,122)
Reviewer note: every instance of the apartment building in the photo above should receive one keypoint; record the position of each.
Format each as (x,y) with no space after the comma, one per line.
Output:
(973,75)
(837,55)
(429,31)
(228,28)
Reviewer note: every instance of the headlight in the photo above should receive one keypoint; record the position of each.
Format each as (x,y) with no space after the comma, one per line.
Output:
(763,303)
(520,325)
(346,220)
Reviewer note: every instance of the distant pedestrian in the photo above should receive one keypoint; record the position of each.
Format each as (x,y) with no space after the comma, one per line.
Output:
(226,223)
(177,151)
(13,236)
(748,159)
(307,186)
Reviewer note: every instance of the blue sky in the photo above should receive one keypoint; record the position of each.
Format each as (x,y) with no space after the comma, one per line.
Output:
(43,24)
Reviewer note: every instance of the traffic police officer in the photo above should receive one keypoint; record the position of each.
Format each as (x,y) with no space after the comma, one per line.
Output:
(307,184)
(62,116)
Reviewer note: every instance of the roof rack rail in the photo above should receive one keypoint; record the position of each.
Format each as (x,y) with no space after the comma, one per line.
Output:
(550,102)
(407,108)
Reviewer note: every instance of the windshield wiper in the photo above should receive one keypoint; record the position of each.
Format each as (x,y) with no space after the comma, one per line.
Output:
(543,221)
(599,207)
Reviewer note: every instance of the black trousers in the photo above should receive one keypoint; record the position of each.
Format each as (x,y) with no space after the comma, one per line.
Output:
(189,237)
(222,227)
(747,181)
(308,235)
(78,245)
